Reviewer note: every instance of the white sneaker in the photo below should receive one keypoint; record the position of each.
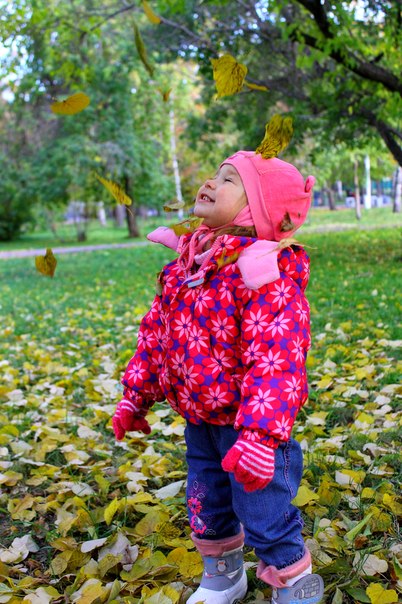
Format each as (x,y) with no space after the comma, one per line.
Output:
(230,595)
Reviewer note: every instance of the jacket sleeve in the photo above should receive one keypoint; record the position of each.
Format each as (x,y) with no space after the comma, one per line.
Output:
(275,328)
(140,380)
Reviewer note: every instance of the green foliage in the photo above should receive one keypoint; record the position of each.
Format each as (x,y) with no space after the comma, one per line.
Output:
(15,211)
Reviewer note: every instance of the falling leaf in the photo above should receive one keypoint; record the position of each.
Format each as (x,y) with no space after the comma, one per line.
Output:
(278,134)
(256,86)
(115,189)
(379,595)
(46,264)
(228,75)
(165,93)
(224,260)
(140,46)
(72,105)
(154,19)
(187,226)
(173,206)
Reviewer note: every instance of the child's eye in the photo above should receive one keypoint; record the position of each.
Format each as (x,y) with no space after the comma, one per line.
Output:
(228,180)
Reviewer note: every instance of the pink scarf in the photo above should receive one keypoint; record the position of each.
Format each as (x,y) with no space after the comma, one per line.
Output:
(195,245)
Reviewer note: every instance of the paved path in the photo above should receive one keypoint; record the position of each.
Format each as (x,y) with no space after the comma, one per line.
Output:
(108,246)
(69,250)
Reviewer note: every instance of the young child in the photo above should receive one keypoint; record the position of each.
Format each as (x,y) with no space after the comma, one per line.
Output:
(225,342)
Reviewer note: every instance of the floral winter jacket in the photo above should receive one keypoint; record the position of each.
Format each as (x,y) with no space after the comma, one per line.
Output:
(224,352)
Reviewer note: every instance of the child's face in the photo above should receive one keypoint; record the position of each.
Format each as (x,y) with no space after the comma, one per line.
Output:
(221,198)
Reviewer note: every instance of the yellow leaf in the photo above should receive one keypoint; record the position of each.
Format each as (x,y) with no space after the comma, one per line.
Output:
(73,104)
(173,206)
(153,18)
(379,595)
(46,264)
(165,94)
(111,510)
(304,496)
(108,562)
(151,522)
(367,493)
(325,382)
(60,562)
(18,508)
(140,46)
(278,134)
(350,477)
(185,561)
(256,86)
(115,189)
(10,478)
(90,591)
(365,418)
(329,494)
(187,226)
(228,75)
(224,260)
(391,502)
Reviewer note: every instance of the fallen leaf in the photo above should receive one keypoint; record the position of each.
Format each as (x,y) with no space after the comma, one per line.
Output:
(380,595)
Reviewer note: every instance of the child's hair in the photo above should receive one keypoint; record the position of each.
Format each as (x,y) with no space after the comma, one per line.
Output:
(236,231)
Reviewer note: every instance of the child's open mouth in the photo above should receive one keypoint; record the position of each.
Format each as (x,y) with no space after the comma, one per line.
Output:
(206,198)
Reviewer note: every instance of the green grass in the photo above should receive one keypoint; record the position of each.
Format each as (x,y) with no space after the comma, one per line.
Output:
(318,218)
(376,217)
(67,235)
(354,277)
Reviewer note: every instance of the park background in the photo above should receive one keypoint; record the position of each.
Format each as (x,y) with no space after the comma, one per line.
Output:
(83,518)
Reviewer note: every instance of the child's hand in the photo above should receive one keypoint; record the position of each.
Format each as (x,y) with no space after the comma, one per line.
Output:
(128,417)
(253,464)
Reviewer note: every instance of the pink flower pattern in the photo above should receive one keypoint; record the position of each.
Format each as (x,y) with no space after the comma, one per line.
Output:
(223,353)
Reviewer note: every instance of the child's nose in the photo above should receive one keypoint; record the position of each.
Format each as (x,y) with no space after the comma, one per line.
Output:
(210,182)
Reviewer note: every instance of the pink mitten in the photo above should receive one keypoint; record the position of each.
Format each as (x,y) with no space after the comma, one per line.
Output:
(252,463)
(128,417)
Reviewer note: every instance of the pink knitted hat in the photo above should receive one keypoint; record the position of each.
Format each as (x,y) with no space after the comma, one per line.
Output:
(276,192)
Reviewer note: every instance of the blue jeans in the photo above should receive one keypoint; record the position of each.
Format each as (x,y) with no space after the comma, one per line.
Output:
(218,505)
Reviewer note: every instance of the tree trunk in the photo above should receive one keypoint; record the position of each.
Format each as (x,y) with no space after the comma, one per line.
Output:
(367,197)
(175,163)
(357,190)
(330,196)
(398,191)
(131,217)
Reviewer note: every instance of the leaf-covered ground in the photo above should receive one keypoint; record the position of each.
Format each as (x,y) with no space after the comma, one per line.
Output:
(84,519)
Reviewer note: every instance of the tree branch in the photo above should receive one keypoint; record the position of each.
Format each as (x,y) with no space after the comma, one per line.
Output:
(365,69)
(386,133)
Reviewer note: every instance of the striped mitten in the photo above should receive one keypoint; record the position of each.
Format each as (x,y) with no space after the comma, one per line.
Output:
(252,463)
